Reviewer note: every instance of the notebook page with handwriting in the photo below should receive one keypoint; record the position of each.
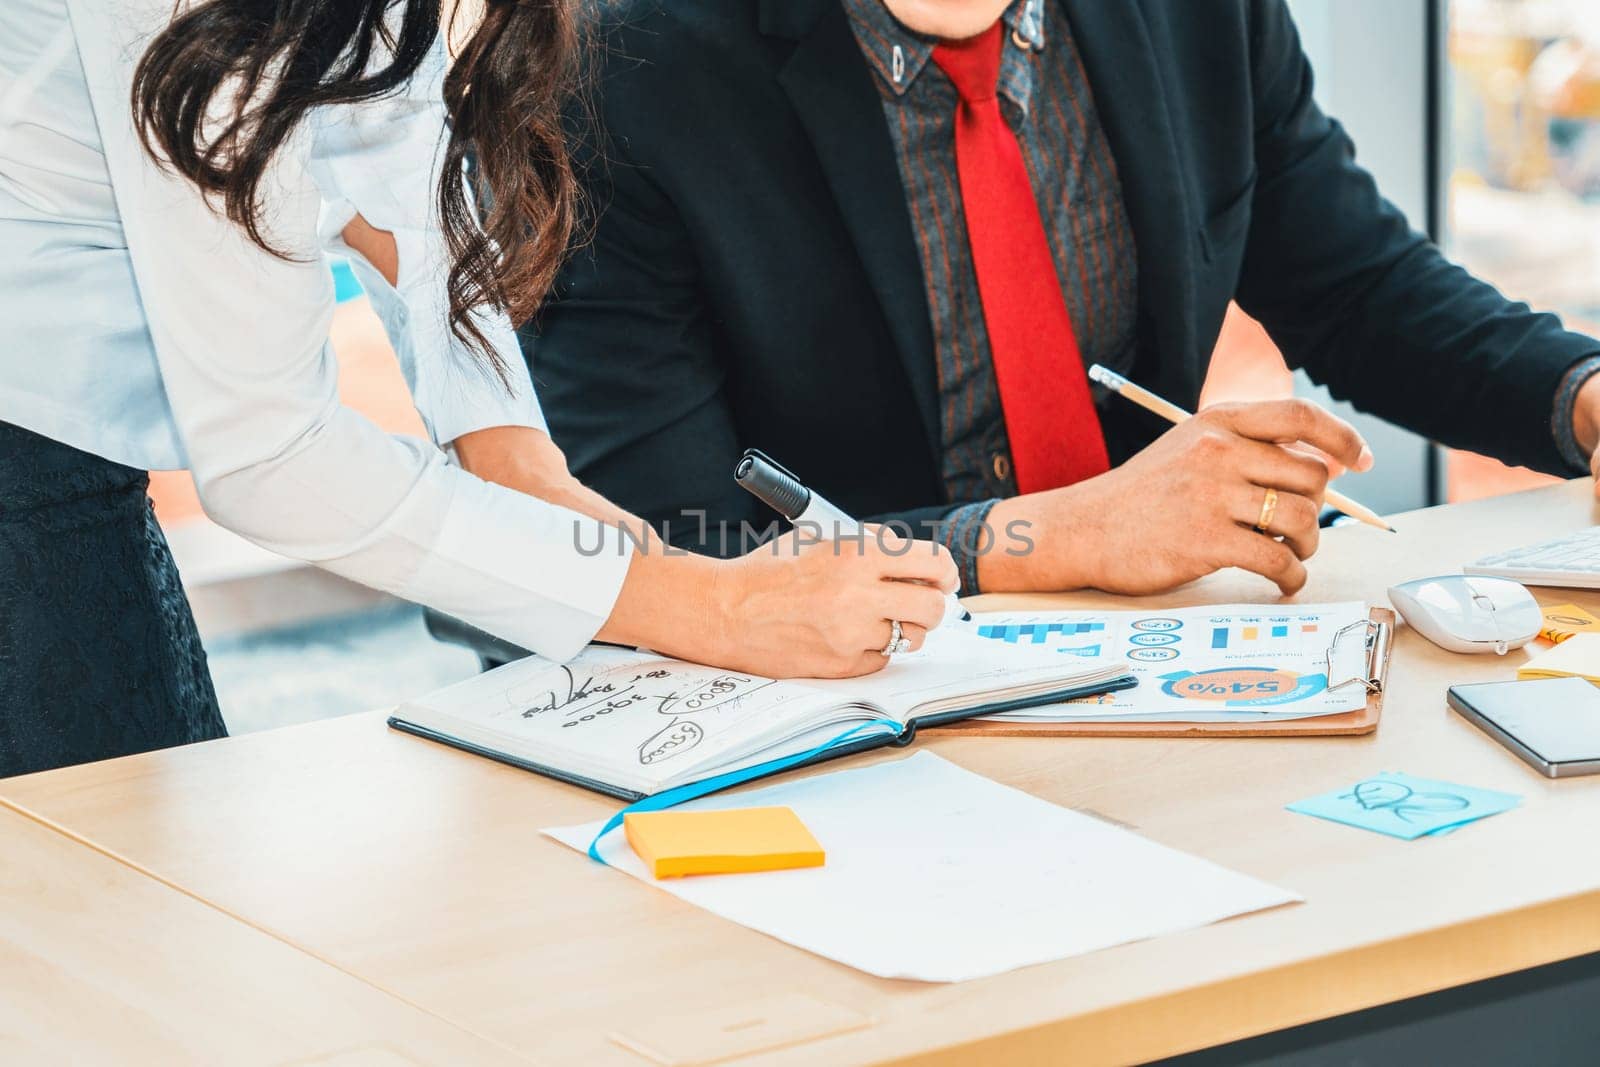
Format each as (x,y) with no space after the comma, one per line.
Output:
(634,722)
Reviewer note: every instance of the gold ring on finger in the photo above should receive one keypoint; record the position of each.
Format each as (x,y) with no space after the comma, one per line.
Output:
(1269,508)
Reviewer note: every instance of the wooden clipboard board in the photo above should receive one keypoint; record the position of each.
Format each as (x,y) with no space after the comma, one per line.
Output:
(1380,644)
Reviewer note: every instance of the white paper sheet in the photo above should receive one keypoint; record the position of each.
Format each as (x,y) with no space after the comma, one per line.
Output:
(938,874)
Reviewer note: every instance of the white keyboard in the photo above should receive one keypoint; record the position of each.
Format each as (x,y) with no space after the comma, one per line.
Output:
(1571,562)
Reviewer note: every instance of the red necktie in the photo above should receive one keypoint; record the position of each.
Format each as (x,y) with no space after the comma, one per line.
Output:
(1050,417)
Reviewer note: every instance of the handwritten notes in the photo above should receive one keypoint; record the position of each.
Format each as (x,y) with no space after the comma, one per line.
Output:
(1406,807)
(631,719)
(682,697)
(635,723)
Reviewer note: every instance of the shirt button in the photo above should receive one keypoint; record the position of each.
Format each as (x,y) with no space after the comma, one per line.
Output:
(1002,466)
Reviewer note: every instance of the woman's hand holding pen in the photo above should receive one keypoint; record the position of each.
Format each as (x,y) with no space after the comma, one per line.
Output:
(794,608)
(1190,504)
(798,607)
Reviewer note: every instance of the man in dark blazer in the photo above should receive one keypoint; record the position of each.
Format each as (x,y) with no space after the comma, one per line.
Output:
(788,255)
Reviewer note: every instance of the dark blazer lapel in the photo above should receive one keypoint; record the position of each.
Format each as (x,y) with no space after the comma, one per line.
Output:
(1124,71)
(830,86)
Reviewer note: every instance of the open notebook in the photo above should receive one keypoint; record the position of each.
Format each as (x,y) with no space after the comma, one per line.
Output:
(632,724)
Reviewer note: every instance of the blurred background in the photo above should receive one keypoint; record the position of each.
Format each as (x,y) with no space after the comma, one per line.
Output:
(1481,119)
(1523,178)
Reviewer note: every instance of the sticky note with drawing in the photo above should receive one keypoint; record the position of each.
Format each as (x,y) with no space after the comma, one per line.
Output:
(1406,807)
(1566,620)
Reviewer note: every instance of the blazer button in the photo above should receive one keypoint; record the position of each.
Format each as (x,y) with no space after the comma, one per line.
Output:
(1002,466)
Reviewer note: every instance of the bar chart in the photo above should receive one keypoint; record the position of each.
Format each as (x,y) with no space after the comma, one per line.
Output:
(1236,633)
(1063,637)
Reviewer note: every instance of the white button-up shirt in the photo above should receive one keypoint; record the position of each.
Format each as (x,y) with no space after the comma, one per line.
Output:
(139,324)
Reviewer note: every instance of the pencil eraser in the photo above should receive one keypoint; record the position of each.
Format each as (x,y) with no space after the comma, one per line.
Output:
(673,844)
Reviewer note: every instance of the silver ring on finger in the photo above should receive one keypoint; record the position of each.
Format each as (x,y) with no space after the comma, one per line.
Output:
(898,642)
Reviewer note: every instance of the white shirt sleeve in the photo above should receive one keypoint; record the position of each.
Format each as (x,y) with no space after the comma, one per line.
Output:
(383,158)
(241,338)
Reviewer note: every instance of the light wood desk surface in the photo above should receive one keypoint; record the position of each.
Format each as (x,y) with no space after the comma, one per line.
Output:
(422,868)
(102,964)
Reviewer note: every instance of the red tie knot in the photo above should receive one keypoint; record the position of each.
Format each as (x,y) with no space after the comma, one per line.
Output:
(973,65)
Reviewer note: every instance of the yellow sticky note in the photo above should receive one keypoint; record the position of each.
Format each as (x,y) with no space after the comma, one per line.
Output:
(1562,622)
(1578,657)
(676,843)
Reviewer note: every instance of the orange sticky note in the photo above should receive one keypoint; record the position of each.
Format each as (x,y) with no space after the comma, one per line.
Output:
(1563,622)
(675,843)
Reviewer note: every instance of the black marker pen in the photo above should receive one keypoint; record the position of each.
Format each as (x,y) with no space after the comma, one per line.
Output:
(767,481)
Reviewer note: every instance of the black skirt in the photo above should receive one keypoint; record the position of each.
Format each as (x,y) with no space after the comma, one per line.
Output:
(98,651)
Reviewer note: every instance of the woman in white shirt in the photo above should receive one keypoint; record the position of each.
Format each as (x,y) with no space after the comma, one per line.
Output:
(169,187)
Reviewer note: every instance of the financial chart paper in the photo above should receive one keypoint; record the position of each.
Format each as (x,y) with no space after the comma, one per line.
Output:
(1217,663)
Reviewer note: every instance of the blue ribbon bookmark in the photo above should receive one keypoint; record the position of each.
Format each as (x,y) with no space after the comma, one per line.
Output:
(671,798)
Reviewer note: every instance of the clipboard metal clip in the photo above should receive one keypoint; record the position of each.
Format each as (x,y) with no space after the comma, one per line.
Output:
(1375,641)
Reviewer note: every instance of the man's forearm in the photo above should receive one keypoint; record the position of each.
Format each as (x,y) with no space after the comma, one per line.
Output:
(1024,547)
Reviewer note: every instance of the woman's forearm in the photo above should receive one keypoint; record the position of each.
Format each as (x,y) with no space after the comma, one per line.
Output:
(795,609)
(666,601)
(525,459)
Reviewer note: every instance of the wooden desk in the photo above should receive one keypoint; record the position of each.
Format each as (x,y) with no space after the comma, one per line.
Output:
(421,868)
(100,963)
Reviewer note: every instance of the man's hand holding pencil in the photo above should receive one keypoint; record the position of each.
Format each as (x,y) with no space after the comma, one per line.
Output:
(1234,486)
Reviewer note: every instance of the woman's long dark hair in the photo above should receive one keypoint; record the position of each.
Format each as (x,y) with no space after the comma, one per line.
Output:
(225,84)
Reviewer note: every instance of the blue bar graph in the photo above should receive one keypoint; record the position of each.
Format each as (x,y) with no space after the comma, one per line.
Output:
(1039,633)
(1219,637)
(1280,631)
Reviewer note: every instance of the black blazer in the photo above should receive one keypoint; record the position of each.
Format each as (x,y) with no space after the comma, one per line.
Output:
(752,279)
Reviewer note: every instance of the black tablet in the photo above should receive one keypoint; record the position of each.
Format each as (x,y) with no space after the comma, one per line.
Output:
(1552,723)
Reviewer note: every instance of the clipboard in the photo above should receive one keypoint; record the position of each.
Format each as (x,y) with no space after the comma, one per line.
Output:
(1378,635)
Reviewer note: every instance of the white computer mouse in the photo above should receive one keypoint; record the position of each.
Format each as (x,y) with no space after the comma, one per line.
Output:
(1469,613)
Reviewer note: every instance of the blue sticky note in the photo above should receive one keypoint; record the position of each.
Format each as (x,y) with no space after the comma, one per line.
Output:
(1406,807)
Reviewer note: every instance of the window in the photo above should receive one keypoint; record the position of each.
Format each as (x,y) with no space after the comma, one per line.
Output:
(1522,168)
(1370,59)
